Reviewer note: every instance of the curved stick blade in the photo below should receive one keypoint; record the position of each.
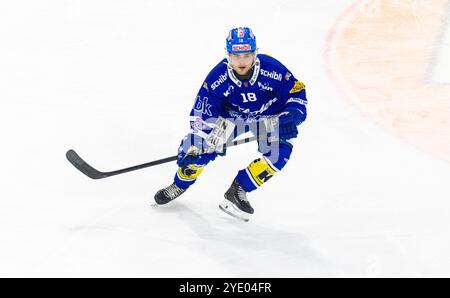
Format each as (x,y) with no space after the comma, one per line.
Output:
(83,166)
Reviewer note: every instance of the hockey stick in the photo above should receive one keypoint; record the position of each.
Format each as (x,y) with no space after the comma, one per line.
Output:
(91,172)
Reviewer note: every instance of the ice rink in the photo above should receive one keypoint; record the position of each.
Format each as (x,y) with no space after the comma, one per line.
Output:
(367,189)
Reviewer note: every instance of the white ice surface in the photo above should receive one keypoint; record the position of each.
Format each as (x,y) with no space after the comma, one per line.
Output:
(115,80)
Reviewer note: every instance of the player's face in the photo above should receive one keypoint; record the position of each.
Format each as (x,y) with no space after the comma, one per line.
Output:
(242,62)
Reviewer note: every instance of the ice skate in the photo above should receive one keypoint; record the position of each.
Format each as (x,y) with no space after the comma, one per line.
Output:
(236,203)
(168,194)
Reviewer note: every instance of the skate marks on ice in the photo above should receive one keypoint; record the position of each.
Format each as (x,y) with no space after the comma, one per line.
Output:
(82,248)
(124,241)
(129,240)
(381,54)
(169,240)
(248,249)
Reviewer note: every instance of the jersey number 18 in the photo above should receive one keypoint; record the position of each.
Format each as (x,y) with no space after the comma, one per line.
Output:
(249,97)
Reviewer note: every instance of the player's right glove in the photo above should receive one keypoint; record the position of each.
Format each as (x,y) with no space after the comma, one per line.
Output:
(192,157)
(189,152)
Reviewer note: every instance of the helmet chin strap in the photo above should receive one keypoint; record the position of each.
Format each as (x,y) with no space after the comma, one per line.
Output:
(254,59)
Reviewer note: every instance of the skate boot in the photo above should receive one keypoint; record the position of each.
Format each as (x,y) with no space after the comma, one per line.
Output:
(236,203)
(168,194)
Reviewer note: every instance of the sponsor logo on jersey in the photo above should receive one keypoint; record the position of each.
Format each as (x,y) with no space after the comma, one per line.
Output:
(273,74)
(205,85)
(241,47)
(218,82)
(265,86)
(202,105)
(298,86)
(228,92)
(288,76)
(298,100)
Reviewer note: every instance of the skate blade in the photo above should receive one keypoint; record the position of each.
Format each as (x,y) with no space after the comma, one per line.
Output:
(229,208)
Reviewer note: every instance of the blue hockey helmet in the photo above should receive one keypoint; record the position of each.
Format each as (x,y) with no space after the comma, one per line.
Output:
(241,40)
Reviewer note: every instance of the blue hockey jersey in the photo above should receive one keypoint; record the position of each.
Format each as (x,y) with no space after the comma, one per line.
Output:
(269,91)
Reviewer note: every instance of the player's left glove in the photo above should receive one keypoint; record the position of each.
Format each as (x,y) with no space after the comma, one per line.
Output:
(288,120)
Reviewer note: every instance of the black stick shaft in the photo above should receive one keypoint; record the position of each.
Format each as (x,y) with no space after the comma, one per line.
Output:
(91,172)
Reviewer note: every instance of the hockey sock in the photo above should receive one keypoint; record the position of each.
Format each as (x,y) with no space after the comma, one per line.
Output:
(256,174)
(262,169)
(186,176)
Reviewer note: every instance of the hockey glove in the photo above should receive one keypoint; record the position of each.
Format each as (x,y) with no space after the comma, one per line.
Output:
(288,122)
(194,158)
(189,152)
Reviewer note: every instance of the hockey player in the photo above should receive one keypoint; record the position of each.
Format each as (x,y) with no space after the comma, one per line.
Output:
(246,91)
